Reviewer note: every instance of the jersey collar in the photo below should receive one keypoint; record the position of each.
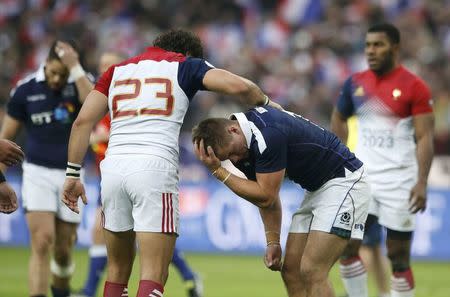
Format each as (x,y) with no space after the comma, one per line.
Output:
(245,126)
(40,74)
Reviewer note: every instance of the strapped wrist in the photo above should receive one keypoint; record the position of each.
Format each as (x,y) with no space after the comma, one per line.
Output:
(272,237)
(221,174)
(73,170)
(77,72)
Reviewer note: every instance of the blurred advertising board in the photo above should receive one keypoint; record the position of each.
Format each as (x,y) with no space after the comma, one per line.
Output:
(215,220)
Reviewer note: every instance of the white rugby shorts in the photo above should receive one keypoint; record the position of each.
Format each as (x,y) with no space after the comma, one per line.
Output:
(139,192)
(392,206)
(339,207)
(42,189)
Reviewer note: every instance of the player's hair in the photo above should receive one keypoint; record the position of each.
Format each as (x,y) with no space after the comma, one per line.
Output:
(390,30)
(180,41)
(213,132)
(52,55)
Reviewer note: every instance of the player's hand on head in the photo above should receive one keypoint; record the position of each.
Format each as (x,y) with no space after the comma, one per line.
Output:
(418,198)
(273,255)
(67,54)
(72,190)
(10,153)
(208,157)
(8,198)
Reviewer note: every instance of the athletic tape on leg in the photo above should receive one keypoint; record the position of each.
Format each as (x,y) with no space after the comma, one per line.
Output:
(60,271)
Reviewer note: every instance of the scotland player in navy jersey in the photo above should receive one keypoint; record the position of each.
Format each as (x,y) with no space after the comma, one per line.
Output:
(267,144)
(46,103)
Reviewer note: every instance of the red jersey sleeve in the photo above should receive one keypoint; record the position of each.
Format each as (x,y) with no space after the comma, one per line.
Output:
(422,102)
(104,82)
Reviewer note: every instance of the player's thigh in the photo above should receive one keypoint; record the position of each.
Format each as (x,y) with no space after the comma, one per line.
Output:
(295,246)
(41,226)
(97,228)
(155,254)
(121,246)
(65,235)
(340,206)
(321,251)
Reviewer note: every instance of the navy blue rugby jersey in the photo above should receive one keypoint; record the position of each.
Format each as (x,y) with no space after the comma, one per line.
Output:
(280,140)
(47,116)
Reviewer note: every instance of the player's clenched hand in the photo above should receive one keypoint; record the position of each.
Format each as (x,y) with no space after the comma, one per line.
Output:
(273,255)
(207,157)
(10,153)
(72,190)
(8,198)
(418,198)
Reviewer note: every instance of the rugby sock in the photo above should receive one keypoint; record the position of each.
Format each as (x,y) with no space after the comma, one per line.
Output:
(148,288)
(402,283)
(57,292)
(115,290)
(97,263)
(182,266)
(354,277)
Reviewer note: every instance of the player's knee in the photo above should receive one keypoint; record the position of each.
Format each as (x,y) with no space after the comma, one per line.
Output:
(351,250)
(42,242)
(290,273)
(311,273)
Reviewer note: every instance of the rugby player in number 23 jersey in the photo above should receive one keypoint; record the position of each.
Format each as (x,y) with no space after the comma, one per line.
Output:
(395,141)
(266,144)
(147,97)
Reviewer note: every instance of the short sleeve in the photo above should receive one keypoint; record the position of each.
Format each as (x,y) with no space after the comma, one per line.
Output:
(344,103)
(190,75)
(274,157)
(421,101)
(16,104)
(104,82)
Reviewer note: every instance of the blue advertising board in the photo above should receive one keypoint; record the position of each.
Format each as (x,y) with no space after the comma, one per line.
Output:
(215,220)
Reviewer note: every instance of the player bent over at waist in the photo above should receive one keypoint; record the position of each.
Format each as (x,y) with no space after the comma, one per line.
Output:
(267,144)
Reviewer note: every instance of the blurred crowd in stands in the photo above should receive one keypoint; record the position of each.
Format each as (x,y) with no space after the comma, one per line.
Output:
(298,51)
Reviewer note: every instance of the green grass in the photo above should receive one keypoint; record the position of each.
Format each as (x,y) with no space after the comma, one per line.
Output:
(223,276)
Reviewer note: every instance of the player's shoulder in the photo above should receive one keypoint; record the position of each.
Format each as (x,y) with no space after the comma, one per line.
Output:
(24,84)
(361,75)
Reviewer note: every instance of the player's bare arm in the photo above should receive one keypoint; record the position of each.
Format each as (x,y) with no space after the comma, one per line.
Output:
(9,131)
(95,107)
(262,193)
(222,81)
(69,57)
(424,127)
(271,217)
(339,125)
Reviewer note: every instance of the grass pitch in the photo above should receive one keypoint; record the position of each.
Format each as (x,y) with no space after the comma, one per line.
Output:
(223,276)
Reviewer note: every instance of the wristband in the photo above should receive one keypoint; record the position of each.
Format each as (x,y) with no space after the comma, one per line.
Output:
(77,72)
(272,237)
(73,170)
(221,174)
(274,242)
(2,178)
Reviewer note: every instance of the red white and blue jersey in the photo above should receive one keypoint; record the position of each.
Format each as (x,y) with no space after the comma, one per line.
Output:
(280,140)
(47,115)
(148,96)
(384,106)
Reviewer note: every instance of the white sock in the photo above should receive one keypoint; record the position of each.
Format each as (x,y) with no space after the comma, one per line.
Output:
(402,284)
(354,277)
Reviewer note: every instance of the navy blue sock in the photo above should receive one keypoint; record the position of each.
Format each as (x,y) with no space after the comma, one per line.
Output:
(97,263)
(57,292)
(182,266)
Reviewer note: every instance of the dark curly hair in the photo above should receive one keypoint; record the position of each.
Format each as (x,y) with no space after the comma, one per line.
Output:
(180,41)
